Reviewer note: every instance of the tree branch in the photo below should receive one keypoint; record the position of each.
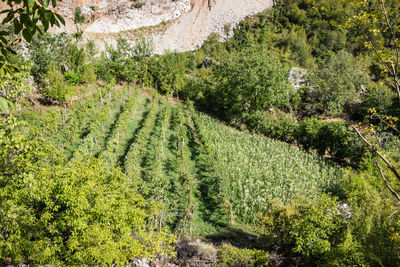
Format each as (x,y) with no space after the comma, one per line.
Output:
(386,182)
(374,149)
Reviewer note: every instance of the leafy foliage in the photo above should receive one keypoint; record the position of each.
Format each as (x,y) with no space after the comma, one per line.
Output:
(76,213)
(55,88)
(25,19)
(233,256)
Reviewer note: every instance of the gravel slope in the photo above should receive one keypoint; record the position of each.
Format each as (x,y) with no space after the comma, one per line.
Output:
(174,25)
(192,28)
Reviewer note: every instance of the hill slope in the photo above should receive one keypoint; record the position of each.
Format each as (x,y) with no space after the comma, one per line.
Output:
(173,25)
(206,175)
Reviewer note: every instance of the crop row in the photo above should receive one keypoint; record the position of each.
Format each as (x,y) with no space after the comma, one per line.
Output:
(186,182)
(64,127)
(156,180)
(119,131)
(97,130)
(134,156)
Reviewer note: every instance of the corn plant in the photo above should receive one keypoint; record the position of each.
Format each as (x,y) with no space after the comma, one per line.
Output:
(252,170)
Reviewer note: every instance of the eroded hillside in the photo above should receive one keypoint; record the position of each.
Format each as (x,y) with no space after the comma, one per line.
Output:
(180,25)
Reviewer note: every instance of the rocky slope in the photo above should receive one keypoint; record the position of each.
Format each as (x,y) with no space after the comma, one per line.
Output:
(179,25)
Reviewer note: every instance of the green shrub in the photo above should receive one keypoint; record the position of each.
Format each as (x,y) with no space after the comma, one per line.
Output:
(89,74)
(55,88)
(72,77)
(336,139)
(45,50)
(76,58)
(84,212)
(138,5)
(78,17)
(355,232)
(333,138)
(310,229)
(248,82)
(229,255)
(379,97)
(280,128)
(307,133)
(168,72)
(118,62)
(335,84)
(297,42)
(372,229)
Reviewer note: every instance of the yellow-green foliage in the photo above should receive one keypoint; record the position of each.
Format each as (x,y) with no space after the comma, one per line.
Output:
(56,88)
(83,212)
(309,228)
(229,255)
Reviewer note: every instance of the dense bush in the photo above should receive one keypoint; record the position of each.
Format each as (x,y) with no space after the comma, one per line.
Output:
(89,74)
(309,229)
(379,97)
(335,84)
(54,87)
(232,256)
(168,72)
(301,50)
(328,232)
(246,82)
(78,17)
(326,138)
(278,127)
(118,62)
(49,49)
(333,138)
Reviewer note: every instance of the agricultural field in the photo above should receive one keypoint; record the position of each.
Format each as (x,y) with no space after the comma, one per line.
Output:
(202,174)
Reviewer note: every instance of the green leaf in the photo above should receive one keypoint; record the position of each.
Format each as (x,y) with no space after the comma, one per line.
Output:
(45,25)
(27,35)
(54,3)
(5,11)
(9,17)
(46,3)
(48,15)
(31,3)
(17,26)
(11,105)
(3,105)
(60,18)
(11,50)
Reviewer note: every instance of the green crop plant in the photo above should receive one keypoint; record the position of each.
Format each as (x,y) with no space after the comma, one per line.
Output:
(119,129)
(253,170)
(134,155)
(93,142)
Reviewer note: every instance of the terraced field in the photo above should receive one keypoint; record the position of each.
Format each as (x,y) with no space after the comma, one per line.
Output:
(205,175)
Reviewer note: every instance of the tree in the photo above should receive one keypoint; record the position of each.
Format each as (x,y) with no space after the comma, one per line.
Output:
(251,80)
(379,24)
(27,17)
(142,51)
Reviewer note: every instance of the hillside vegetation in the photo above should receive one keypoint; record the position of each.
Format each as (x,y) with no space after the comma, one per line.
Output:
(279,146)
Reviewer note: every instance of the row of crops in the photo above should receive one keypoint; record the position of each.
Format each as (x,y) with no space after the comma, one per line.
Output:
(201,173)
